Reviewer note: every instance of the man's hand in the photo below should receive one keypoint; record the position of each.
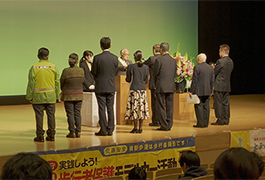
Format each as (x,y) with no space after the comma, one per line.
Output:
(190,94)
(91,87)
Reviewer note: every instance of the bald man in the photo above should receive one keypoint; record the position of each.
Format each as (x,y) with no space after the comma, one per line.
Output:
(123,62)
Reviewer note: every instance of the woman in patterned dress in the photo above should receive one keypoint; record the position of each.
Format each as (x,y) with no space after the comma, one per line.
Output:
(137,106)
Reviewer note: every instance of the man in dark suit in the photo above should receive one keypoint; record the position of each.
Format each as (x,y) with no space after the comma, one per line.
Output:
(222,87)
(123,62)
(202,86)
(151,63)
(104,68)
(164,74)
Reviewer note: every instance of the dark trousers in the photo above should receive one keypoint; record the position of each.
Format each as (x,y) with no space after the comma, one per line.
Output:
(165,110)
(222,107)
(72,109)
(202,111)
(39,112)
(106,100)
(153,104)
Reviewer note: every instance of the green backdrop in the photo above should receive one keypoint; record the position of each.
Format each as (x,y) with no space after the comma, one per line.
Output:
(65,27)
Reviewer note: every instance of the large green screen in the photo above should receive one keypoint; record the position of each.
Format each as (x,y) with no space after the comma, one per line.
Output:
(74,26)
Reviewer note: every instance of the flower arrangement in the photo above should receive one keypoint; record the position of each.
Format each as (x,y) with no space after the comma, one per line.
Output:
(185,67)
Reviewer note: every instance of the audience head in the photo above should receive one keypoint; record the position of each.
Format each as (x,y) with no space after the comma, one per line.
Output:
(138,56)
(236,163)
(125,54)
(224,50)
(156,49)
(164,48)
(260,162)
(201,58)
(105,43)
(43,53)
(137,173)
(73,59)
(188,158)
(26,166)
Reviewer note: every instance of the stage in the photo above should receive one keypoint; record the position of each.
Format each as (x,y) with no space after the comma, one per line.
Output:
(17,130)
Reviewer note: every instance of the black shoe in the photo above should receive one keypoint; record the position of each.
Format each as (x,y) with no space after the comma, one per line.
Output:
(161,129)
(196,126)
(100,133)
(39,139)
(134,130)
(77,135)
(70,135)
(215,123)
(154,124)
(109,134)
(139,131)
(50,138)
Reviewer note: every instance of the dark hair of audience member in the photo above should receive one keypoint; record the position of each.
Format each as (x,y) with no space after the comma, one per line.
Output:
(190,158)
(73,58)
(138,56)
(236,163)
(105,42)
(43,53)
(26,166)
(86,53)
(137,173)
(259,161)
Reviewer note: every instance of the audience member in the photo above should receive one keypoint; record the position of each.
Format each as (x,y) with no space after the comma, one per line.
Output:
(123,62)
(43,92)
(137,106)
(151,63)
(137,173)
(86,64)
(190,164)
(236,163)
(259,161)
(26,166)
(104,68)
(202,86)
(71,80)
(164,74)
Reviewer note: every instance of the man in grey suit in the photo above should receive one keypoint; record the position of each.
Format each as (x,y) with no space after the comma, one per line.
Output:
(202,86)
(164,74)
(222,87)
(123,62)
(104,68)
(151,63)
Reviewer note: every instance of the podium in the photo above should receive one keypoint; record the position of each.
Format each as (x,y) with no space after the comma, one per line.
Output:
(183,110)
(122,88)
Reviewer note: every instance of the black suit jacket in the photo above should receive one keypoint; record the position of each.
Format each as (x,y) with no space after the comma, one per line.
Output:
(151,63)
(104,68)
(89,78)
(223,70)
(164,74)
(203,80)
(121,70)
(138,76)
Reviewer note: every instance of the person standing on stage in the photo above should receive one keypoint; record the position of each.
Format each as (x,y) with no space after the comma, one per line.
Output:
(43,92)
(86,64)
(137,106)
(71,80)
(123,62)
(151,62)
(104,68)
(202,86)
(222,86)
(164,74)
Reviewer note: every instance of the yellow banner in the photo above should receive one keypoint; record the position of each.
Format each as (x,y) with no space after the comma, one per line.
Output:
(107,161)
(240,139)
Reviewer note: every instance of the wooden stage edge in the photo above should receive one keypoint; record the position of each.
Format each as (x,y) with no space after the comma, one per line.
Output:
(18,130)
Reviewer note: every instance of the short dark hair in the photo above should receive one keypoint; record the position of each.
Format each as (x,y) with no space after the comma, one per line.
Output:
(156,47)
(26,166)
(137,173)
(43,53)
(190,158)
(236,163)
(73,58)
(105,42)
(225,48)
(164,47)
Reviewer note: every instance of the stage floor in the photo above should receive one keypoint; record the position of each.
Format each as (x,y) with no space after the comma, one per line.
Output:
(17,128)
